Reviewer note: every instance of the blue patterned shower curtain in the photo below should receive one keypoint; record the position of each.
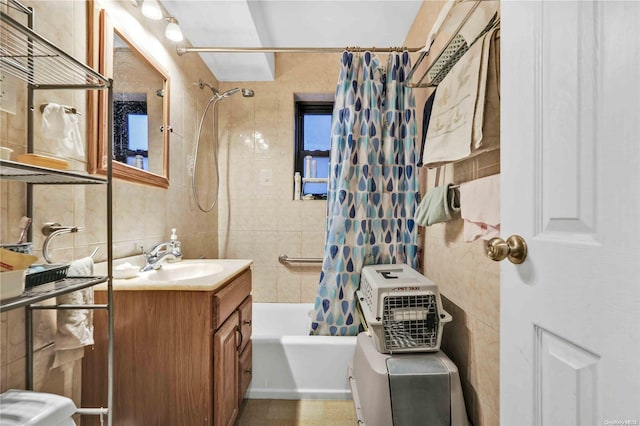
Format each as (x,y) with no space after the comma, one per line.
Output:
(373,188)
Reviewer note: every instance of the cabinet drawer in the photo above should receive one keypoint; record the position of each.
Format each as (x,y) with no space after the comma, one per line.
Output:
(245,322)
(245,371)
(226,300)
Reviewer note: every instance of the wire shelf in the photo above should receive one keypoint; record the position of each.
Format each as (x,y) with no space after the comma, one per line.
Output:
(12,170)
(30,57)
(49,290)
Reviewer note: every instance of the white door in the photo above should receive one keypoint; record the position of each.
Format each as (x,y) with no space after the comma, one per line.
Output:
(570,314)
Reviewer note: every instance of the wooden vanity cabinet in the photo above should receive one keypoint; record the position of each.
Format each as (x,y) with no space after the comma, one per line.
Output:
(181,357)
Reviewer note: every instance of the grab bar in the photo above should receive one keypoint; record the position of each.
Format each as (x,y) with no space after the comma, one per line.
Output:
(285,260)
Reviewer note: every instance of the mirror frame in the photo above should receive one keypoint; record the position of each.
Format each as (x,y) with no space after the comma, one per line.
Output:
(100,57)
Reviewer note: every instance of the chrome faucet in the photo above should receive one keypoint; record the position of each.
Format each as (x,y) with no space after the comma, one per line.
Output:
(168,250)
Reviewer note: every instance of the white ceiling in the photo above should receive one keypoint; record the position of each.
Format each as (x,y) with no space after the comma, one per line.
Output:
(286,23)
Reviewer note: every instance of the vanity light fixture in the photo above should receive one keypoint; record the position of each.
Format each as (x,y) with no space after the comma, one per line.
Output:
(151,9)
(173,32)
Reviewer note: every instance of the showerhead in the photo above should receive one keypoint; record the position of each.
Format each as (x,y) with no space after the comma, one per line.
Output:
(230,92)
(247,93)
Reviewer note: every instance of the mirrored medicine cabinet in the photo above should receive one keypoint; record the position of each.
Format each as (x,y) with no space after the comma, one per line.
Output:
(140,106)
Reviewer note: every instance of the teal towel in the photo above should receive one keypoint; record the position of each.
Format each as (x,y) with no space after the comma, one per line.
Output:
(437,206)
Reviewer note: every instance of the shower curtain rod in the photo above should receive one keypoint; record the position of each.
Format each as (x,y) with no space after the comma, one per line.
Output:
(182,50)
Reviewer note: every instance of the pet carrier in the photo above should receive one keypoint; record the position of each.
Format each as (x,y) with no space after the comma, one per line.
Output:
(401,308)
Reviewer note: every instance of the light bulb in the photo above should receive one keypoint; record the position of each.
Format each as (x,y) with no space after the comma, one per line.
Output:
(151,9)
(173,32)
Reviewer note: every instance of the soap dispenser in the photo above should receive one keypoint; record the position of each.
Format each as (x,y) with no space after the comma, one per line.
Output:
(175,244)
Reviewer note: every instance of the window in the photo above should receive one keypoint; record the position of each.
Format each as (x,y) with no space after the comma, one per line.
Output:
(313,140)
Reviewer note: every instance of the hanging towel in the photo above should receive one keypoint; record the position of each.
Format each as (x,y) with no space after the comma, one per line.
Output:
(74,326)
(59,126)
(488,94)
(478,20)
(458,117)
(480,208)
(426,117)
(437,206)
(450,128)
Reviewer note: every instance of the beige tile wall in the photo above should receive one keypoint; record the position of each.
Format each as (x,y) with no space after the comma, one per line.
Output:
(468,280)
(258,217)
(143,215)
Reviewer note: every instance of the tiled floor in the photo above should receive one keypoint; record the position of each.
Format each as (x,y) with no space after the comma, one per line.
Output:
(280,412)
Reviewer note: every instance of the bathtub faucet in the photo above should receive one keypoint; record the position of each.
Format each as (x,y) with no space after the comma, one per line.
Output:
(168,250)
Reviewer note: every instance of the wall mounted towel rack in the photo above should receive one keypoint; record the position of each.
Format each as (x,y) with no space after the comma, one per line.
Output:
(286,260)
(453,50)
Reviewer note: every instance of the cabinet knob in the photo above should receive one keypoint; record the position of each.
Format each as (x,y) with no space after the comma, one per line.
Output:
(246,322)
(248,371)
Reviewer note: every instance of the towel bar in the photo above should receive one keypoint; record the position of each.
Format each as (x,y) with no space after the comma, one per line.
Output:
(285,260)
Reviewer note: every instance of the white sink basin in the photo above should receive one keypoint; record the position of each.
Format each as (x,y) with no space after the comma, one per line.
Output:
(183,271)
(187,274)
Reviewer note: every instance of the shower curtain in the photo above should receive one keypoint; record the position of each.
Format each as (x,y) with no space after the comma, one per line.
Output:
(373,188)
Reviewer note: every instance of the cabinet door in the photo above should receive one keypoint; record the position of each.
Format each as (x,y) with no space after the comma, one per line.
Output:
(225,372)
(245,322)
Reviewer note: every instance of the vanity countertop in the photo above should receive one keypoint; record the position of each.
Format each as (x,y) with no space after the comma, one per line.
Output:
(230,268)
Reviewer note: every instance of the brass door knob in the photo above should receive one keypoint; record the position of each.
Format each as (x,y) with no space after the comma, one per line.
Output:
(514,249)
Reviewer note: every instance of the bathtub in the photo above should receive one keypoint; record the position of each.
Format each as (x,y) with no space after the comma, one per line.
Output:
(290,364)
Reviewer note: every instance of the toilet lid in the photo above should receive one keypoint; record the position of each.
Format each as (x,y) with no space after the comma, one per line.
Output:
(29,408)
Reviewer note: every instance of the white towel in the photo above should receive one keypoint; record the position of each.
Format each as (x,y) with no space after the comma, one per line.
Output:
(74,326)
(442,16)
(451,124)
(59,126)
(479,19)
(480,208)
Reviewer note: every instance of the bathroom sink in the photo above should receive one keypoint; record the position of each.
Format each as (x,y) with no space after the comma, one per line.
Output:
(183,271)
(187,274)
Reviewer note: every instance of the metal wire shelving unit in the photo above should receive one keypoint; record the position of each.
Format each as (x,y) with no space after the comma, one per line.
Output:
(42,65)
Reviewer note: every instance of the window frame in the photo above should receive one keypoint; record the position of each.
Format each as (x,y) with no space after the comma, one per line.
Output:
(303,108)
